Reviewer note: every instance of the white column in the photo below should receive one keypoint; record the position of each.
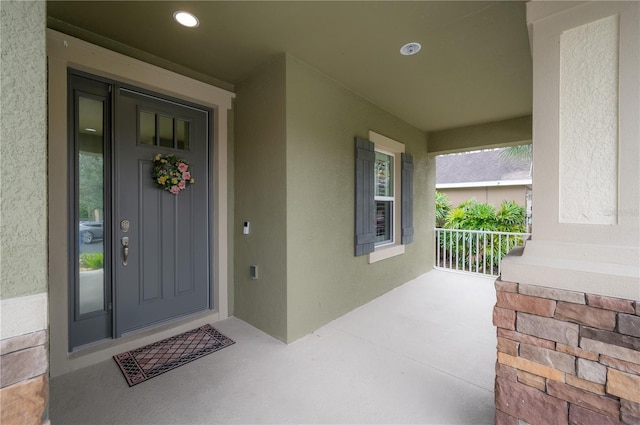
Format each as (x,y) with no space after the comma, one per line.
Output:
(586,143)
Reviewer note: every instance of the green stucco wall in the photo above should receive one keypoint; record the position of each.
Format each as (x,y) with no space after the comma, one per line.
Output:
(260,198)
(23,149)
(325,279)
(294,181)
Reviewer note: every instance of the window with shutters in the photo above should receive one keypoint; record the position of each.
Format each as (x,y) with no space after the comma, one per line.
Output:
(384,197)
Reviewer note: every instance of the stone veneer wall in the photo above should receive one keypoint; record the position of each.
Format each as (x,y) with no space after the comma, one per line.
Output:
(23,383)
(566,357)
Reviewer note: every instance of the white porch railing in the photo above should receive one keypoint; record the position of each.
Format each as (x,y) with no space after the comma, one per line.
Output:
(475,251)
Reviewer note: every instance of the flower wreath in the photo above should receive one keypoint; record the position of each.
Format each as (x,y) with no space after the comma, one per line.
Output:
(171,173)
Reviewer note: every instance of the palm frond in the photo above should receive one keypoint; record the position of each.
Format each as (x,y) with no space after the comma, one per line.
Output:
(517,152)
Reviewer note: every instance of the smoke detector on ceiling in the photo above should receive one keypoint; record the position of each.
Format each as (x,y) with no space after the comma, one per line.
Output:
(410,48)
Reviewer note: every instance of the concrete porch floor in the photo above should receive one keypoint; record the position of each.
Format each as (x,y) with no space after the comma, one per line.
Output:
(422,353)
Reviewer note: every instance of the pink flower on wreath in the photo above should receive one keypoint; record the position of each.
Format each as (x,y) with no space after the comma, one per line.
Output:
(183,167)
(186,175)
(174,189)
(182,185)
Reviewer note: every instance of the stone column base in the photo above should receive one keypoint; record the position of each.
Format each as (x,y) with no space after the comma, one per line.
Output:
(566,357)
(23,403)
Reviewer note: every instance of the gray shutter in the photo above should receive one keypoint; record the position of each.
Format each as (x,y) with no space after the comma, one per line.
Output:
(407,198)
(365,205)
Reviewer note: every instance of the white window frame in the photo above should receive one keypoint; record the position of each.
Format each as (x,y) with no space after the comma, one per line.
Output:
(391,198)
(389,146)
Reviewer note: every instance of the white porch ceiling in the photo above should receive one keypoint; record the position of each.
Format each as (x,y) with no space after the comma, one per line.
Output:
(474,66)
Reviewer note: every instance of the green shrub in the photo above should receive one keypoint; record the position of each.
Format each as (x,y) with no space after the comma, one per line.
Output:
(92,260)
(481,250)
(443,206)
(472,215)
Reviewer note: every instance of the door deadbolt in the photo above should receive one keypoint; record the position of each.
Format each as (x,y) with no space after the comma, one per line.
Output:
(124,225)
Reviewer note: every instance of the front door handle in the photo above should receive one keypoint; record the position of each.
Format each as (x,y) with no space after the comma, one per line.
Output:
(125,246)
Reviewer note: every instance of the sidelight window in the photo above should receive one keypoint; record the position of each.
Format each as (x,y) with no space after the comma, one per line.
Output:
(90,302)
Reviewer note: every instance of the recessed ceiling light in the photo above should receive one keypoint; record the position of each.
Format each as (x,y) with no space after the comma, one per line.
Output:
(410,49)
(185,18)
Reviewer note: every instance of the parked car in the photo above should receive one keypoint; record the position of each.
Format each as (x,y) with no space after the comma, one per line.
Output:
(91,231)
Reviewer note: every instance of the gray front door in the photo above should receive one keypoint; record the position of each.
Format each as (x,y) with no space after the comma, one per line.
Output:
(166,270)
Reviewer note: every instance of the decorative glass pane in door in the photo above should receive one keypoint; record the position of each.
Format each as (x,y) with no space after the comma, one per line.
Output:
(182,134)
(165,130)
(147,128)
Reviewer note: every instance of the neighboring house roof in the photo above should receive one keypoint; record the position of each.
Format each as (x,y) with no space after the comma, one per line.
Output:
(481,168)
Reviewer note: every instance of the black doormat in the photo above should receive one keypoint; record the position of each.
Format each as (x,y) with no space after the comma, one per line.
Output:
(162,356)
